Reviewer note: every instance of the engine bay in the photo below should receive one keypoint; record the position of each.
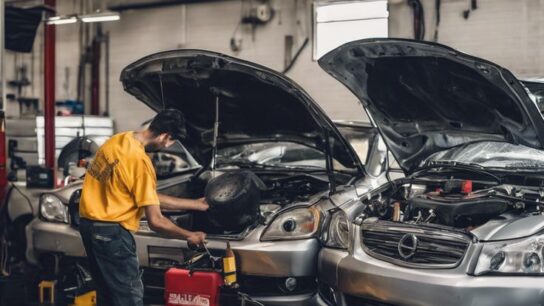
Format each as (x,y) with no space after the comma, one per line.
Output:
(453,202)
(277,190)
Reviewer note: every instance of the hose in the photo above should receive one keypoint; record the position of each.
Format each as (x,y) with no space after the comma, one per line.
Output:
(299,51)
(24,196)
(419,19)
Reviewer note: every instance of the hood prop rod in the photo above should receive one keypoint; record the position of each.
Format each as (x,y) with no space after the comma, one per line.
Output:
(215,135)
(329,163)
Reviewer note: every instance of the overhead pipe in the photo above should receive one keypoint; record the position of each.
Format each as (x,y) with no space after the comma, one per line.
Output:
(49,92)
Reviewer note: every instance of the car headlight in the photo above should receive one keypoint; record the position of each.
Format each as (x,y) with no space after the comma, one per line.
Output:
(520,256)
(52,209)
(337,234)
(298,223)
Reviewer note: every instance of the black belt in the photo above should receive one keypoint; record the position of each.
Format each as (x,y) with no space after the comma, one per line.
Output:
(101,223)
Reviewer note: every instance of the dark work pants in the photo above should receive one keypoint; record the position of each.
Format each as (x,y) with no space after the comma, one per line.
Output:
(113,263)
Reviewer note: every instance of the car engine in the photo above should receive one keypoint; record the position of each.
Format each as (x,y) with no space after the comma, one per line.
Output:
(241,199)
(459,203)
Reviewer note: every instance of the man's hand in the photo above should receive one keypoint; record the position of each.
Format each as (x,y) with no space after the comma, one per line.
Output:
(158,223)
(201,204)
(197,238)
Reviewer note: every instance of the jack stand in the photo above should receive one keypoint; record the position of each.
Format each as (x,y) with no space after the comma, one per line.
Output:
(47,288)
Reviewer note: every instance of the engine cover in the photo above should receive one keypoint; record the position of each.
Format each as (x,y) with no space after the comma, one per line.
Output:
(454,208)
(234,199)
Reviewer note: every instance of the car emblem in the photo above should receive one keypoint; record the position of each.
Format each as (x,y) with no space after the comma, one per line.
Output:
(407,246)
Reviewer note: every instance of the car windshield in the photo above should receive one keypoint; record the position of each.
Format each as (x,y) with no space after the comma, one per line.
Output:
(359,137)
(285,154)
(493,155)
(172,160)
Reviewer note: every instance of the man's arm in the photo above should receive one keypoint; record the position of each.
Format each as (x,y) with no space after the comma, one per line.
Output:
(158,223)
(173,203)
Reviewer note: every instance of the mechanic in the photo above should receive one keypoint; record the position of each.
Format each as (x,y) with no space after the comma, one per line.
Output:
(119,186)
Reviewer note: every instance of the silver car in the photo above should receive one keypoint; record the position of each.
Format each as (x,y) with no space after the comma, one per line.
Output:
(466,224)
(239,116)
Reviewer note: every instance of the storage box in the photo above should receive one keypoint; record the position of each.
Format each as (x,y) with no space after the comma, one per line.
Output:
(200,288)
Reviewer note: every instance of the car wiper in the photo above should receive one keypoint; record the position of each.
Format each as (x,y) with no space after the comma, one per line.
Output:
(253,164)
(446,163)
(455,165)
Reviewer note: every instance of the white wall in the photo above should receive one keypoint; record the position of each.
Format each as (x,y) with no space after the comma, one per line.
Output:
(509,32)
(210,26)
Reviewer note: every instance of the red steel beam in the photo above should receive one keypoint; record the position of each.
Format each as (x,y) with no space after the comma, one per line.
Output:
(49,91)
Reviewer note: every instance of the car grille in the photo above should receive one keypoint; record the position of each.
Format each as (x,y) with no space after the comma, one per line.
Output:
(414,245)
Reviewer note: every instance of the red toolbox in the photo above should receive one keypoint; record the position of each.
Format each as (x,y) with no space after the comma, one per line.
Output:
(198,288)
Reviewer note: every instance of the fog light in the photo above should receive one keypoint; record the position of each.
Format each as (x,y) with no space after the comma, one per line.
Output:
(497,260)
(291,284)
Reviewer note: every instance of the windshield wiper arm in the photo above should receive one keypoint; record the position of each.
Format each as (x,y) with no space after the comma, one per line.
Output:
(248,163)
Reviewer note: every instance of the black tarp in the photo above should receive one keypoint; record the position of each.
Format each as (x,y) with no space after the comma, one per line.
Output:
(21,27)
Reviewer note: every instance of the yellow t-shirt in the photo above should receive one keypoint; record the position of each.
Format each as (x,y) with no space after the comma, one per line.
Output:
(119,183)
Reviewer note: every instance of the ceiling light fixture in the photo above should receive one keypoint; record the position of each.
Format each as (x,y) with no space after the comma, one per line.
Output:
(56,20)
(100,17)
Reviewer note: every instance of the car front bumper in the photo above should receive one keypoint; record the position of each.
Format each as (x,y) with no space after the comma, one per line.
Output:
(48,237)
(266,262)
(360,279)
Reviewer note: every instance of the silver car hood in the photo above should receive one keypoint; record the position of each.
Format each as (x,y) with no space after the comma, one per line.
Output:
(254,103)
(425,97)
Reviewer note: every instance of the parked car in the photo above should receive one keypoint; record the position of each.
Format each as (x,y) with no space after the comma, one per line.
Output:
(25,148)
(465,226)
(260,121)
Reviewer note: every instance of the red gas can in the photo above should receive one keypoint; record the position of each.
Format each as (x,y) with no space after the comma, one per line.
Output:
(199,288)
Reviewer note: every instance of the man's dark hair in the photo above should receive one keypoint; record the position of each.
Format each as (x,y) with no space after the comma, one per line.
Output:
(169,121)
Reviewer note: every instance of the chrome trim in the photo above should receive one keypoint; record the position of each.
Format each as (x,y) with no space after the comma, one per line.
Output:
(417,230)
(411,247)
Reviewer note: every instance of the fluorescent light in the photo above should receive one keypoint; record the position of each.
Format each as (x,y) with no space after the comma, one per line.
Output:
(100,17)
(61,20)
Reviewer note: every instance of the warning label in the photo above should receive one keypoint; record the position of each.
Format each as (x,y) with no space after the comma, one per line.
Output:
(188,299)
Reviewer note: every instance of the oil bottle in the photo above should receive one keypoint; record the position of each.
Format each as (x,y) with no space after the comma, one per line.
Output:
(229,267)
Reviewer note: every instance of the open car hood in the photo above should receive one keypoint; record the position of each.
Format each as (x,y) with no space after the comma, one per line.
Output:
(255,103)
(425,97)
